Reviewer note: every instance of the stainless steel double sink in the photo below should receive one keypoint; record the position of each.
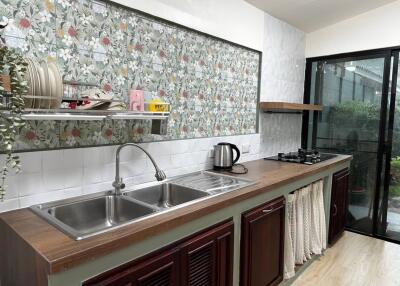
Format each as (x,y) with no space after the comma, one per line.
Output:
(89,215)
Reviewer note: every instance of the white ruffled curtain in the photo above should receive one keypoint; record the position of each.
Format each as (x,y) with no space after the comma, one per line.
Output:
(305,226)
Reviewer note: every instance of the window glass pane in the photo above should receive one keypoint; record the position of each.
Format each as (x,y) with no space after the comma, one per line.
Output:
(351,93)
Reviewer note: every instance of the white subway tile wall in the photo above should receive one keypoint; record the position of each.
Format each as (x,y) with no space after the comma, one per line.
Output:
(60,174)
(53,175)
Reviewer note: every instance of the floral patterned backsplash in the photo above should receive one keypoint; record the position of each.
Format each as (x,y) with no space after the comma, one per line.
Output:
(212,85)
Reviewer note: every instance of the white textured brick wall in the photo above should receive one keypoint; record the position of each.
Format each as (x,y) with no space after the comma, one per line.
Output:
(282,79)
(54,175)
(283,64)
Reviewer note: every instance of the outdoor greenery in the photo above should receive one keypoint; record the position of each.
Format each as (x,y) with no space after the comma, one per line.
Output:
(365,113)
(367,116)
(13,65)
(394,188)
(359,109)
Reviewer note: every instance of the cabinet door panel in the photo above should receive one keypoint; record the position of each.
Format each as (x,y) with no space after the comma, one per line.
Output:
(337,221)
(160,270)
(163,276)
(207,258)
(204,259)
(262,244)
(201,265)
(225,257)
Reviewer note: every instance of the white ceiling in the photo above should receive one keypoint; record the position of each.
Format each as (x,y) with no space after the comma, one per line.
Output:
(311,15)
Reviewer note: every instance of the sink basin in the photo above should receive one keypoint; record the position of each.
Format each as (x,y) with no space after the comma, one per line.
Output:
(166,195)
(89,215)
(85,218)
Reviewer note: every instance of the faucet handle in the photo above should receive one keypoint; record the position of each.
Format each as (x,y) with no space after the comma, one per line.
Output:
(119,185)
(160,175)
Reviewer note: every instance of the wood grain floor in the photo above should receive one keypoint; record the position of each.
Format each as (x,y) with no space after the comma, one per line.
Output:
(355,260)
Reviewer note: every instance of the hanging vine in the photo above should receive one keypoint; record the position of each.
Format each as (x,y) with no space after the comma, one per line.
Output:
(13,67)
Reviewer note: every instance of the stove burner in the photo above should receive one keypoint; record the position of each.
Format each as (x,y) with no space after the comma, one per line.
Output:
(302,156)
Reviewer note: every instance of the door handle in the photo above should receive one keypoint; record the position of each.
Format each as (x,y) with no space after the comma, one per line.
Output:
(268,210)
(334,210)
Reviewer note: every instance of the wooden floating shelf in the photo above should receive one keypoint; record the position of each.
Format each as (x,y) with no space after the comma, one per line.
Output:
(288,107)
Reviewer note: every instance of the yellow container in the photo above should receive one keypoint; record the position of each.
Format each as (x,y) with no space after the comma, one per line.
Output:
(156,105)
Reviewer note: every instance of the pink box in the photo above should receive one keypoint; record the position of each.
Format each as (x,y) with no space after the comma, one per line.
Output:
(136,100)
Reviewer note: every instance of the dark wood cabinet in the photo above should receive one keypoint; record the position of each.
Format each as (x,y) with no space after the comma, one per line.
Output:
(337,221)
(262,244)
(162,269)
(205,258)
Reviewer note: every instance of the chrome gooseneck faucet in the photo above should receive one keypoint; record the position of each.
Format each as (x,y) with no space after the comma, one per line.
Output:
(118,183)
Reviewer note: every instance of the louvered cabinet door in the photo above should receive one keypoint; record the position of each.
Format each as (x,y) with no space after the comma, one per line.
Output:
(207,259)
(159,270)
(203,259)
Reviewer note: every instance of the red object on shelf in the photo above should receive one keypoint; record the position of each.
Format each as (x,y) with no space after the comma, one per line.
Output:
(73,105)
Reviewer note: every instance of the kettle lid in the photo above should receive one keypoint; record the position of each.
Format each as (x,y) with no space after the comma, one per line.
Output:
(224,143)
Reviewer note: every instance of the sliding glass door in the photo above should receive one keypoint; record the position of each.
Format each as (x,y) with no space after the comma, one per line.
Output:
(353,94)
(388,203)
(360,94)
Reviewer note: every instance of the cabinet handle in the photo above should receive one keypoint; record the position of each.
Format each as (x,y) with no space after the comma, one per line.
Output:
(334,210)
(268,210)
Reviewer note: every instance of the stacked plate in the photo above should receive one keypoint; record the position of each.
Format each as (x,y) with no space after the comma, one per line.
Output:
(45,86)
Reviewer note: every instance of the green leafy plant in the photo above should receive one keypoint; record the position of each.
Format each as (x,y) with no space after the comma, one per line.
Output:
(12,105)
(394,187)
(363,111)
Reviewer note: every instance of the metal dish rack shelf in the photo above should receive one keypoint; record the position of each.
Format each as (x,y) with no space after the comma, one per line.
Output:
(62,114)
(159,120)
(77,114)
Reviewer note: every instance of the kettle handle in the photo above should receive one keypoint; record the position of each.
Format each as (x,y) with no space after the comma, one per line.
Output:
(234,147)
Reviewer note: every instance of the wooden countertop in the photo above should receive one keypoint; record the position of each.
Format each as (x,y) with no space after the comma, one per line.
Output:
(54,251)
